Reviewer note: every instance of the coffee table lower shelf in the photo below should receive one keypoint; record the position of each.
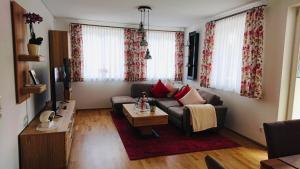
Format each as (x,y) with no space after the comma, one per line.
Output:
(147,131)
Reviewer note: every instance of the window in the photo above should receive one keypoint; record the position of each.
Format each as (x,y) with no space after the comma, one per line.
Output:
(103,53)
(227,54)
(162,50)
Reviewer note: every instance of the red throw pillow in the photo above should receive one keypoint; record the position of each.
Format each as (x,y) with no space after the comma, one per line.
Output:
(182,93)
(159,90)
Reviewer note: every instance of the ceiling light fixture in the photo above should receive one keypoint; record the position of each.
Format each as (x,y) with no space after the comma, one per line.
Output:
(144,11)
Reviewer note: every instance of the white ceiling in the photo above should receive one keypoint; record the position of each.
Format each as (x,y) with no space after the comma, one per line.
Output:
(170,13)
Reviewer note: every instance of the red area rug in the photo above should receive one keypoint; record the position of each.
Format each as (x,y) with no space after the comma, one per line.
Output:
(171,141)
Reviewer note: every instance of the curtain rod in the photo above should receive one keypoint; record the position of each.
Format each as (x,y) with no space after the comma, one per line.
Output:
(236,13)
(122,27)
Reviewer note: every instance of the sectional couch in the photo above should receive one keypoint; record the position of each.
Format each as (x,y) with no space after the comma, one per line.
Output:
(178,115)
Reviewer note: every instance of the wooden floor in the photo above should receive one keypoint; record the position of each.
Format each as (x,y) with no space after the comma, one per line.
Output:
(97,145)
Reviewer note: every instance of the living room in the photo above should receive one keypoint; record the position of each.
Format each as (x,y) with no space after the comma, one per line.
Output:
(149,84)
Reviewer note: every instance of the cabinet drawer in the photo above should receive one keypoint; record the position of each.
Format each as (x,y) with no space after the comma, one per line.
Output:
(69,139)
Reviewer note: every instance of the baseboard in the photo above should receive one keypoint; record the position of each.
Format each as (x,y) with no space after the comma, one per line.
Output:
(94,109)
(247,138)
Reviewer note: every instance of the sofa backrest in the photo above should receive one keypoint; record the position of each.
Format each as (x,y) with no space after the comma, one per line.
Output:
(210,98)
(138,88)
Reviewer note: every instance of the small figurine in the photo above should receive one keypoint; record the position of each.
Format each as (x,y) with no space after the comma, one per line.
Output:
(143,104)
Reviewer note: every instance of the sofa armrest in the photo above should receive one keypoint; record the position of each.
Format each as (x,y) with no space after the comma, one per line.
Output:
(221,112)
(186,124)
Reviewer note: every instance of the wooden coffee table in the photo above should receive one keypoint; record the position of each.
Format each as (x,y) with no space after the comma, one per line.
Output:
(144,121)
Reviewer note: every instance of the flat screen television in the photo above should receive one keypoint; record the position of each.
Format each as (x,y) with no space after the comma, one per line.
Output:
(57,87)
(60,80)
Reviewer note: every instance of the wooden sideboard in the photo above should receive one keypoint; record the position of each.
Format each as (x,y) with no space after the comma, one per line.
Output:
(49,149)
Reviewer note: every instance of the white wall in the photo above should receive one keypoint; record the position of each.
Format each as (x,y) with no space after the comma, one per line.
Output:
(246,115)
(14,115)
(97,94)
(296,105)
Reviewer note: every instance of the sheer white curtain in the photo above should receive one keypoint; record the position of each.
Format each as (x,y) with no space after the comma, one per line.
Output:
(162,49)
(227,54)
(103,53)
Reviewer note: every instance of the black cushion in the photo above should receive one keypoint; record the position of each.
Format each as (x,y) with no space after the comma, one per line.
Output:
(212,163)
(283,138)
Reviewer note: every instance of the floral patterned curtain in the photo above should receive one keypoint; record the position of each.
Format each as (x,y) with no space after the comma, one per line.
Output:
(207,54)
(251,84)
(179,55)
(76,52)
(135,63)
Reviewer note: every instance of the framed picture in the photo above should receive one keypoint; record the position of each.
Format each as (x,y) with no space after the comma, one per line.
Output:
(33,77)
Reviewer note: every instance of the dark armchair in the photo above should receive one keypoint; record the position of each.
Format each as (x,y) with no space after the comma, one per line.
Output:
(283,138)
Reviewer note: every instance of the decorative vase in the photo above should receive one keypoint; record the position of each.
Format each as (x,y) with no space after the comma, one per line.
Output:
(152,108)
(33,49)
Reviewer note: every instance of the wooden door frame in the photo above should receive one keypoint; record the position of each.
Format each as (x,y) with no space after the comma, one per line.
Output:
(294,64)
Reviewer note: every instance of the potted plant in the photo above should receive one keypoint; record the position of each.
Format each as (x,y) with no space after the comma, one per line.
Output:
(34,42)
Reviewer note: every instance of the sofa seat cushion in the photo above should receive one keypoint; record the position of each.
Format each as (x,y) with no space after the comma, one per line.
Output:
(166,103)
(176,111)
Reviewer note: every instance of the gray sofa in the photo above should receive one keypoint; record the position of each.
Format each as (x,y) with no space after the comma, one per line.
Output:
(178,115)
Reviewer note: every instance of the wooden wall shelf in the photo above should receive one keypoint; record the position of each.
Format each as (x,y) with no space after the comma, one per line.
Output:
(19,30)
(34,89)
(21,58)
(31,58)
